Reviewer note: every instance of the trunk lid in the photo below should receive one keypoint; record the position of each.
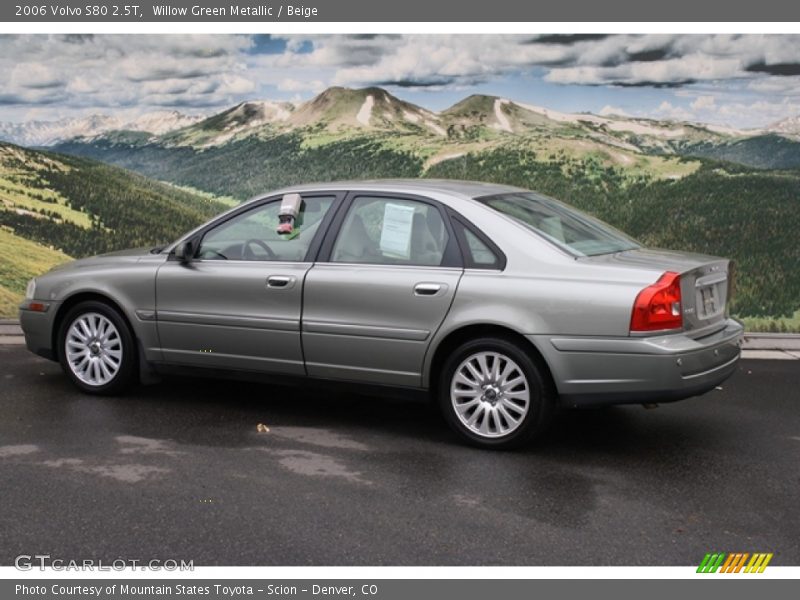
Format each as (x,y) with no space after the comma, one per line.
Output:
(705,280)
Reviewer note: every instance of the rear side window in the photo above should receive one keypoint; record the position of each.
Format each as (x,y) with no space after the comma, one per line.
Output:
(479,252)
(567,227)
(391,231)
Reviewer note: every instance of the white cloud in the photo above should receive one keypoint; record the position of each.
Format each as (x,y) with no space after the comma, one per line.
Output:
(233,84)
(757,113)
(301,85)
(609,110)
(667,110)
(612,60)
(673,71)
(709,76)
(783,86)
(708,109)
(101,71)
(32,75)
(704,103)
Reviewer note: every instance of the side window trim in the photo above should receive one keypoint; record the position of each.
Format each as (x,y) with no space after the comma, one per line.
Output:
(462,224)
(325,224)
(338,199)
(452,258)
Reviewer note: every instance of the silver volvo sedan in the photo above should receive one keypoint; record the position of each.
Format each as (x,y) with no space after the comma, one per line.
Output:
(501,303)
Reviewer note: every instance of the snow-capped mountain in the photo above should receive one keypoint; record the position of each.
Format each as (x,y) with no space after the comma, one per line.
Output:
(49,133)
(240,120)
(373,110)
(335,109)
(789,126)
(367,108)
(161,122)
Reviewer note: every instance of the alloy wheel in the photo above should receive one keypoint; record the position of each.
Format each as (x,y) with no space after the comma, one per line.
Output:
(93,349)
(490,394)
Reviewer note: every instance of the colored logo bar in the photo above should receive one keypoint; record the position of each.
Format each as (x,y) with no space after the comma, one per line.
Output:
(734,562)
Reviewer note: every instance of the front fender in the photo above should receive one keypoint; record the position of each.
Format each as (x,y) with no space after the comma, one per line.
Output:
(129,284)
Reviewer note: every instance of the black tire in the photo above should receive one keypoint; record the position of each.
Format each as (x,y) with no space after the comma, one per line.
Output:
(125,374)
(540,395)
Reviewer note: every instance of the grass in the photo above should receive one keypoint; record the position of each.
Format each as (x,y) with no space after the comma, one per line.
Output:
(316,139)
(773,324)
(228,201)
(21,189)
(9,301)
(20,260)
(634,164)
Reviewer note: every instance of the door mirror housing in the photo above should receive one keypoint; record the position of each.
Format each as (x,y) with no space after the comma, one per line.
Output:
(185,251)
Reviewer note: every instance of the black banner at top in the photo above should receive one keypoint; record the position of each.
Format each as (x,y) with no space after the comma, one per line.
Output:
(198,11)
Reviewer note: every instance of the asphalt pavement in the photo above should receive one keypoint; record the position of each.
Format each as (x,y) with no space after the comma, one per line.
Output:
(182,470)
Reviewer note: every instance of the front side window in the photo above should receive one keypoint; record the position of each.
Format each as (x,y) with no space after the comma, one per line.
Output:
(563,225)
(253,235)
(391,231)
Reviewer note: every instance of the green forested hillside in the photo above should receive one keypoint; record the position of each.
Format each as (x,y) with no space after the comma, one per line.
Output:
(253,166)
(83,207)
(53,207)
(763,152)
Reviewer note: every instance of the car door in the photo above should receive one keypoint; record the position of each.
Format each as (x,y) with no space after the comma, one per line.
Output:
(385,279)
(236,304)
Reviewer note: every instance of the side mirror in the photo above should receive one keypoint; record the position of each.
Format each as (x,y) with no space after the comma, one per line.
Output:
(185,251)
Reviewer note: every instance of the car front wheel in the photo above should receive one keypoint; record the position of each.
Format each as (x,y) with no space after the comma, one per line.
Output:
(97,349)
(494,394)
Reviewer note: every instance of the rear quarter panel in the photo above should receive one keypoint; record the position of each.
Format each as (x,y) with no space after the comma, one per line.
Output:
(542,290)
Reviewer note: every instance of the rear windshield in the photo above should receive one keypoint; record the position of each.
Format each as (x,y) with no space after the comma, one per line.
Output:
(569,228)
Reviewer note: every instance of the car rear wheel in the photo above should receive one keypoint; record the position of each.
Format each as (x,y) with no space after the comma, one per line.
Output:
(96,348)
(494,394)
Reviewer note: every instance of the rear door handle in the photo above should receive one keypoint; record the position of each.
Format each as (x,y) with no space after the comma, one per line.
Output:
(280,281)
(428,289)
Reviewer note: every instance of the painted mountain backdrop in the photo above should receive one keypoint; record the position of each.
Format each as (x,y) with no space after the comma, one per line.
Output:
(672,184)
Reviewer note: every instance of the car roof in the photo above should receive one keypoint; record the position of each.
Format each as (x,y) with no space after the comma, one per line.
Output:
(470,189)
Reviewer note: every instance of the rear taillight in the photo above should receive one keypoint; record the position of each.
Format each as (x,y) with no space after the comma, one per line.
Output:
(658,306)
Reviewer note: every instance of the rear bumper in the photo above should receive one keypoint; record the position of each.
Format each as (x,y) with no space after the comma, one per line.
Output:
(38,330)
(592,371)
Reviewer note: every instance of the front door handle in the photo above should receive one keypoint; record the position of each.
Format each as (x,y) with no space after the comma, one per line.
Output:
(428,289)
(280,281)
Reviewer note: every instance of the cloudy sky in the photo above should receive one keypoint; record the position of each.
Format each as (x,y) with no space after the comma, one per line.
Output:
(737,80)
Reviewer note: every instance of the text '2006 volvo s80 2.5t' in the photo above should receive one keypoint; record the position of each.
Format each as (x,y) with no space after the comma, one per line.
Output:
(502,303)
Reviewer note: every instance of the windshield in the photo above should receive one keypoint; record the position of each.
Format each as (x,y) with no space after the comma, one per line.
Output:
(569,228)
